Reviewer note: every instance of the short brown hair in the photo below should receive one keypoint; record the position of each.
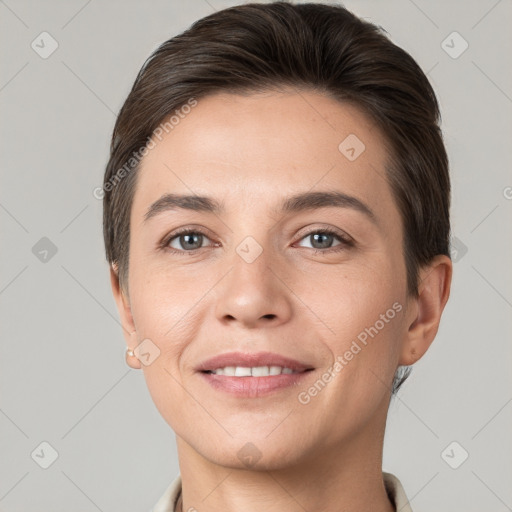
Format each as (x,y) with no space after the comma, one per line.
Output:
(257,47)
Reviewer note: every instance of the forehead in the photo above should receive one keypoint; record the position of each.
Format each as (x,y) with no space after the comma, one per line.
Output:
(257,149)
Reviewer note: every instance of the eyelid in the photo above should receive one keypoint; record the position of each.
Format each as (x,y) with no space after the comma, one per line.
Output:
(344,238)
(326,229)
(164,243)
(346,241)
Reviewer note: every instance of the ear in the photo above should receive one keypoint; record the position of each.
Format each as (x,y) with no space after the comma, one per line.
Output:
(125,314)
(425,310)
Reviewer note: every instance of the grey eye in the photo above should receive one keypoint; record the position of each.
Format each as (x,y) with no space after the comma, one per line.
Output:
(321,239)
(187,241)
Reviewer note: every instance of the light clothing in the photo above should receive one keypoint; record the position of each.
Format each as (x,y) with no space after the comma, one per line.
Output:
(167,502)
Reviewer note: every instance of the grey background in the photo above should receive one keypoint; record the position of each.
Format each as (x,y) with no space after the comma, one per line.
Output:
(63,377)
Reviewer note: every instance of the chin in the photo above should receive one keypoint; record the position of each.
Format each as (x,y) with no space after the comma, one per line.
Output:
(258,455)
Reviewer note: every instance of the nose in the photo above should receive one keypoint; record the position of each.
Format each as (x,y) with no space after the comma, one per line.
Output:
(253,293)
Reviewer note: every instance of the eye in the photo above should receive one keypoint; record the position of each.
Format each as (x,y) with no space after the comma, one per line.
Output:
(189,240)
(185,240)
(322,240)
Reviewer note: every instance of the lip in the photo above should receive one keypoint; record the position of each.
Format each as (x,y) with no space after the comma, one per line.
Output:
(252,387)
(252,360)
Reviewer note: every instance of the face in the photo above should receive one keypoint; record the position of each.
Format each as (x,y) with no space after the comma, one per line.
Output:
(316,283)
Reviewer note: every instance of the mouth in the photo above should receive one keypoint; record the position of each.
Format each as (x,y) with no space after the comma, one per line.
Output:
(252,375)
(255,371)
(260,364)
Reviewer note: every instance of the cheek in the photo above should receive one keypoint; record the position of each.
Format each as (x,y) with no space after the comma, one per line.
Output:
(162,302)
(352,298)
(363,309)
(164,313)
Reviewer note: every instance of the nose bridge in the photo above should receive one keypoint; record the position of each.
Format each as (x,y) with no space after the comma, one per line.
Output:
(254,247)
(252,262)
(251,292)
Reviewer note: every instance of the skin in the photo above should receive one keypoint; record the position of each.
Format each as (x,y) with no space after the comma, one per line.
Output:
(252,152)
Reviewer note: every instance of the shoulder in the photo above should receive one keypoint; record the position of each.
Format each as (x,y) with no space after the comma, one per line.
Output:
(168,500)
(393,486)
(396,492)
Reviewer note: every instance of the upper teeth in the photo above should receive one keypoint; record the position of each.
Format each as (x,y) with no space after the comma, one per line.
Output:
(256,371)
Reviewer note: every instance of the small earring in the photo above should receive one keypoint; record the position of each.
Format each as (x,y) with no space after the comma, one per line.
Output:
(129,351)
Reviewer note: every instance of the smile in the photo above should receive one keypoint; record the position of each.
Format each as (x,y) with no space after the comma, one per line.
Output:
(255,371)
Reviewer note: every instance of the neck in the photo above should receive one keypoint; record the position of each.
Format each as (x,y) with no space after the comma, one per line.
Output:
(345,477)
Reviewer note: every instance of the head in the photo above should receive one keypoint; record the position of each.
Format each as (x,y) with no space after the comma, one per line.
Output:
(266,115)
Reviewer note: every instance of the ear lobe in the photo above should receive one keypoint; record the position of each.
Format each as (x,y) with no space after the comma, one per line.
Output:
(433,293)
(125,314)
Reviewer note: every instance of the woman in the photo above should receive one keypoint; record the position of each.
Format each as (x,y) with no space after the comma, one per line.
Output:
(276,217)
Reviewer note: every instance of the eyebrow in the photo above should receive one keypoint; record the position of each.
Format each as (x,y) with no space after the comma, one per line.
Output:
(296,203)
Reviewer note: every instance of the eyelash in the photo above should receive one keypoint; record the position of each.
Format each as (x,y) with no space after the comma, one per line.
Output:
(346,241)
